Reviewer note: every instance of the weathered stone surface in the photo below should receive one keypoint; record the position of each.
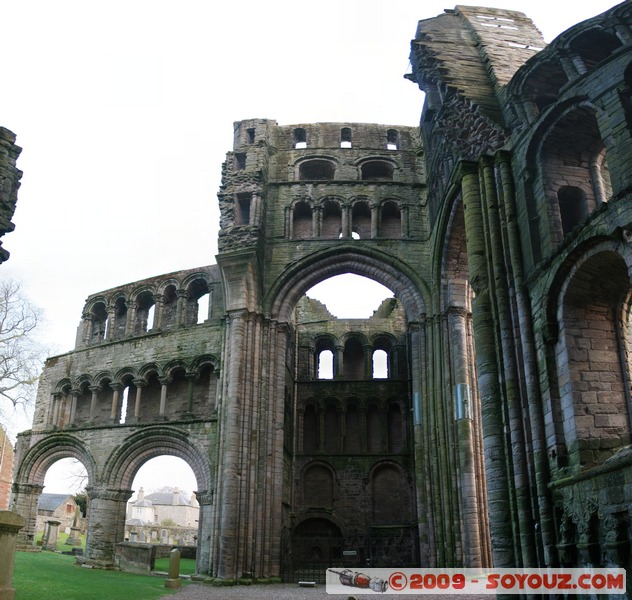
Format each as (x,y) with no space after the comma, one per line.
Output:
(501,432)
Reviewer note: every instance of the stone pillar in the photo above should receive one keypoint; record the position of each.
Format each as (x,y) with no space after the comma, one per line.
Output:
(130,323)
(317,221)
(25,499)
(10,525)
(368,361)
(487,363)
(93,401)
(139,383)
(56,409)
(205,528)
(163,395)
(338,354)
(106,525)
(190,381)
(116,391)
(375,212)
(173,581)
(180,312)
(345,225)
(404,221)
(73,406)
(159,311)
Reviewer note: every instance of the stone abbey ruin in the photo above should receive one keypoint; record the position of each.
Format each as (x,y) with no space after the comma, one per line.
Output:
(500,433)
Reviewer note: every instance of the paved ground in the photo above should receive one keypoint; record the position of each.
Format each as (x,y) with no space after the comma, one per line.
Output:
(286,591)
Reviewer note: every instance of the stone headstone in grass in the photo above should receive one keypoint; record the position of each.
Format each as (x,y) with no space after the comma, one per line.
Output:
(173,581)
(10,524)
(52,533)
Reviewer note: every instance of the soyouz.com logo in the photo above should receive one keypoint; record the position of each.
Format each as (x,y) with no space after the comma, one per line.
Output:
(477,581)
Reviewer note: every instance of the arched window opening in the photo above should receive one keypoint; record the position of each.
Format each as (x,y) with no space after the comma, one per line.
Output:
(352,441)
(395,428)
(593,397)
(240,161)
(170,307)
(544,84)
(124,405)
(99,316)
(380,364)
(573,208)
(302,221)
(390,496)
(316,169)
(242,209)
(195,291)
(310,430)
(594,46)
(361,220)
(377,170)
(332,219)
(318,487)
(353,359)
(373,429)
(332,430)
(390,220)
(392,139)
(326,365)
(345,137)
(144,303)
(203,308)
(120,318)
(300,138)
(250,134)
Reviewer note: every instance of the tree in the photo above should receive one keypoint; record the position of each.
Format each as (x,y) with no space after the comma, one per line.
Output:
(21,355)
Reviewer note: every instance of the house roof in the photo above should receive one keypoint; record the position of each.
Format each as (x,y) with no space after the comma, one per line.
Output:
(167,498)
(53,501)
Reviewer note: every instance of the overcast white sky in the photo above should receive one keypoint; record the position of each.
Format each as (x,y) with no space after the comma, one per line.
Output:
(125,110)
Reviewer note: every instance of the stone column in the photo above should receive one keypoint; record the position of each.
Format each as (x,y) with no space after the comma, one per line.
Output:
(338,354)
(190,377)
(73,406)
(25,499)
(116,391)
(130,323)
(487,363)
(463,415)
(109,332)
(180,304)
(317,221)
(205,527)
(93,401)
(374,221)
(163,395)
(368,361)
(345,223)
(159,303)
(10,525)
(106,525)
(140,384)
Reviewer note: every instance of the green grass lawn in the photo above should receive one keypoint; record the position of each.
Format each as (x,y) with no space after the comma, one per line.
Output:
(52,576)
(187,565)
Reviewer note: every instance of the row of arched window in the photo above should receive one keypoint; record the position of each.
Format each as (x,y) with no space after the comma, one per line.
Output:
(140,396)
(300,138)
(334,219)
(353,427)
(358,358)
(544,81)
(108,319)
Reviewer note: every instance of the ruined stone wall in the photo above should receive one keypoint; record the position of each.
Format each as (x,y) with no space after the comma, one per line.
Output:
(6,469)
(10,177)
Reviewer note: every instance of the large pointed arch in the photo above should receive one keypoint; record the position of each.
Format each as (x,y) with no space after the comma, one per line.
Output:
(304,274)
